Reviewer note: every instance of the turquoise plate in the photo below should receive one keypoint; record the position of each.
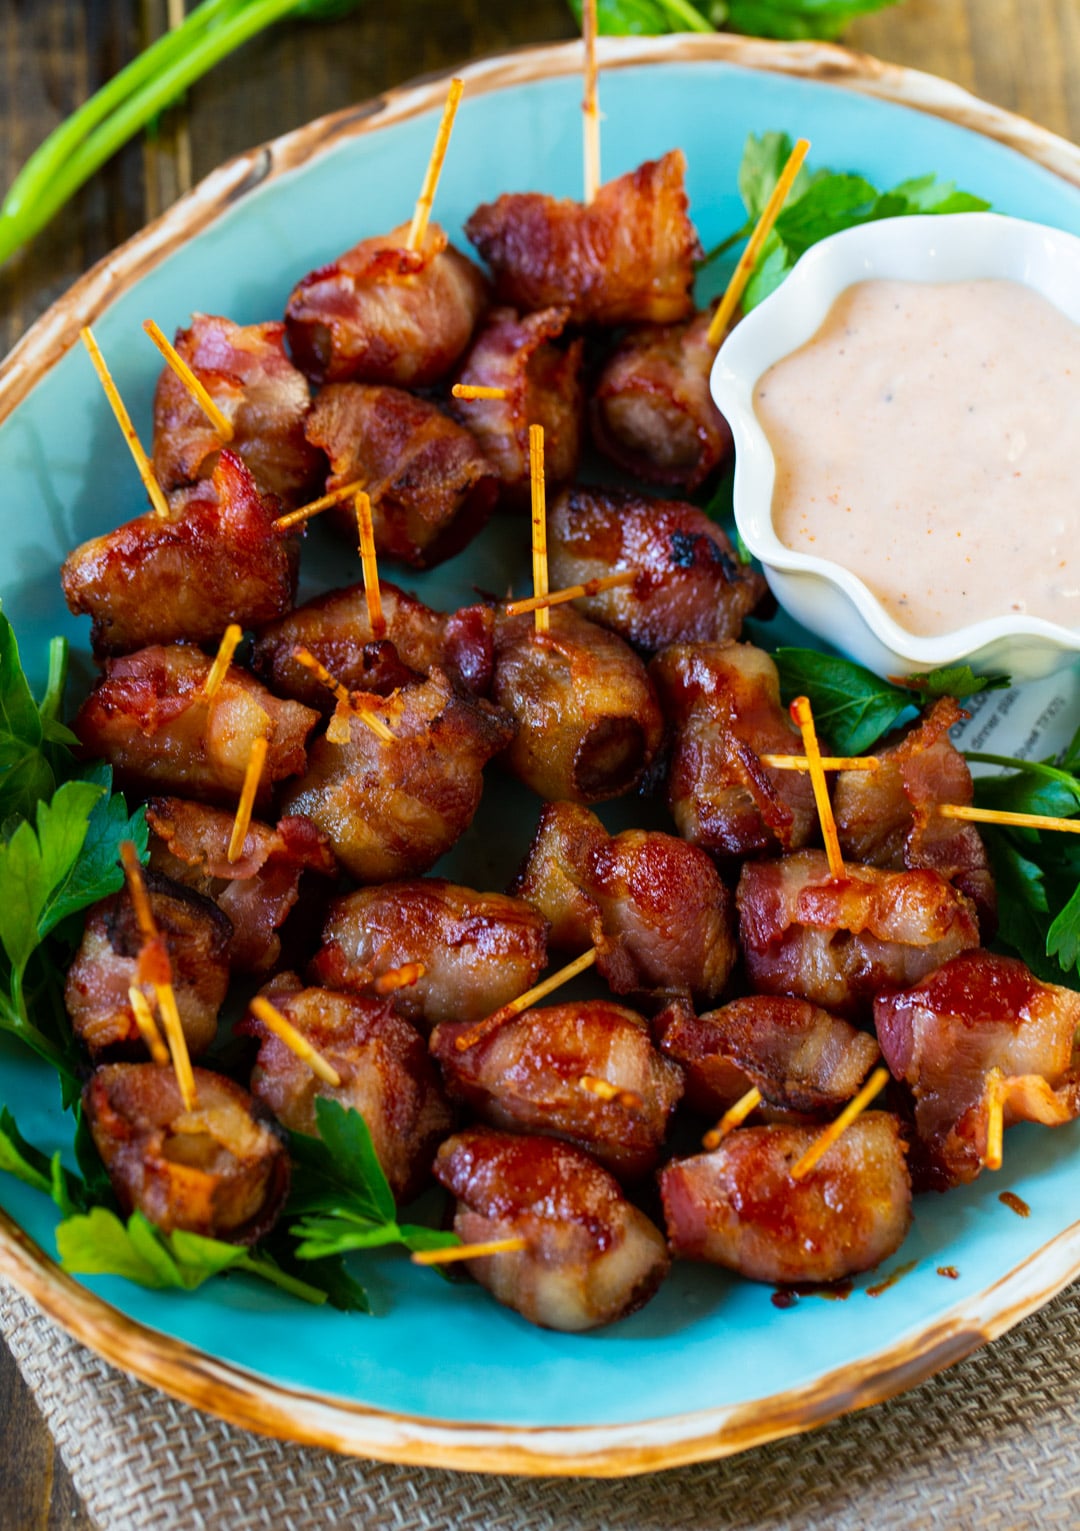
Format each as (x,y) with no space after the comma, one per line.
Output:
(445,1376)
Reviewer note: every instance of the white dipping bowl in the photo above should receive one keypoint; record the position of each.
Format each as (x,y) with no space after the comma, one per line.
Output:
(824,596)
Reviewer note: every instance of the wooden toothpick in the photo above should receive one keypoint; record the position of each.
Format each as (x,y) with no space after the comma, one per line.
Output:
(524,1001)
(222,661)
(828,762)
(426,199)
(1005,816)
(341,692)
(294,1040)
(995,1120)
(478,391)
(144,1019)
(590,104)
(335,497)
(733,1117)
(252,777)
(604,1090)
(803,717)
(821,1145)
(369,565)
(572,592)
(222,425)
(123,419)
(454,1252)
(402,977)
(155,949)
(539,524)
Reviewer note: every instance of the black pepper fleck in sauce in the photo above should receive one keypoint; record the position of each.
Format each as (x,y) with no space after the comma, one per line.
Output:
(1014,1203)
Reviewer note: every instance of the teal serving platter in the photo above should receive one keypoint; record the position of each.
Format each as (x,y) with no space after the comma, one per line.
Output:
(443,1376)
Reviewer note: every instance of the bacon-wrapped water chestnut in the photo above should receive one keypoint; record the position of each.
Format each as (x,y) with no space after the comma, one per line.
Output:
(149,717)
(246,372)
(543,386)
(588,721)
(979,1024)
(392,807)
(383,1065)
(886,817)
(431,487)
(196,935)
(840,941)
(652,408)
(653,906)
(220,1169)
(799,1056)
(382,313)
(336,628)
(478,951)
(258,890)
(690,585)
(739,1207)
(527,1075)
(216,558)
(723,701)
(625,258)
(590,1256)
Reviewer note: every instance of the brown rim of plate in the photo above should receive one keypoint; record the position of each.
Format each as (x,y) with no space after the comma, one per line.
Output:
(602,1451)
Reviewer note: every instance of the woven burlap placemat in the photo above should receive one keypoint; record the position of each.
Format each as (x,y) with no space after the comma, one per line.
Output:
(992,1445)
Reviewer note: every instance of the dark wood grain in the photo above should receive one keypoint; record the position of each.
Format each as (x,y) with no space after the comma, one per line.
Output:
(1020,54)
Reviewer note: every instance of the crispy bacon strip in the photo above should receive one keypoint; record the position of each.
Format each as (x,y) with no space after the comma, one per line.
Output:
(690,586)
(217,558)
(382,313)
(431,487)
(626,258)
(590,1256)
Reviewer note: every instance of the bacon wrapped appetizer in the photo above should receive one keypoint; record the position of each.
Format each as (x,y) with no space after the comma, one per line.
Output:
(196,935)
(653,906)
(690,586)
(257,891)
(431,487)
(887,817)
(980,1024)
(590,1256)
(478,951)
(799,1056)
(543,386)
(382,313)
(336,628)
(838,942)
(245,370)
(216,558)
(383,1065)
(148,716)
(739,1207)
(391,807)
(652,408)
(625,258)
(723,701)
(220,1169)
(532,1074)
(588,720)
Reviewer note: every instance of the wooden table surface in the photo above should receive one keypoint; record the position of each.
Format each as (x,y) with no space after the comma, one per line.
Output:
(1020,54)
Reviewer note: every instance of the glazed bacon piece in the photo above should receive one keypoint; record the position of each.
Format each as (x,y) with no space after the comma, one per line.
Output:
(653,906)
(391,808)
(590,1256)
(382,313)
(220,1169)
(652,408)
(258,891)
(838,942)
(336,628)
(543,385)
(626,258)
(886,817)
(739,1207)
(479,950)
(385,1073)
(944,1036)
(431,487)
(526,1076)
(216,558)
(196,935)
(691,587)
(723,701)
(246,372)
(799,1056)
(588,720)
(148,717)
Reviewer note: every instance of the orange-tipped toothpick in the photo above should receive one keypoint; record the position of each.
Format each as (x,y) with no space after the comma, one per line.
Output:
(1005,816)
(572,592)
(995,1120)
(123,419)
(426,199)
(157,969)
(342,693)
(828,762)
(369,565)
(821,1145)
(478,391)
(453,1252)
(252,777)
(222,425)
(144,1020)
(604,1090)
(305,513)
(222,660)
(295,1041)
(803,717)
(733,1117)
(524,1001)
(748,259)
(590,104)
(399,978)
(539,524)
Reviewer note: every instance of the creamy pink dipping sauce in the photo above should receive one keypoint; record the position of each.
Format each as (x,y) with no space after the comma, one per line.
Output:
(926,439)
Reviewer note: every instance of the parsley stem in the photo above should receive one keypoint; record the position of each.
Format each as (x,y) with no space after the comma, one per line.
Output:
(270,1271)
(688,15)
(1033,767)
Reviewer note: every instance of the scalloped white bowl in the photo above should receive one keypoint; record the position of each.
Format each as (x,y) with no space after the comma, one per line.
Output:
(823,595)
